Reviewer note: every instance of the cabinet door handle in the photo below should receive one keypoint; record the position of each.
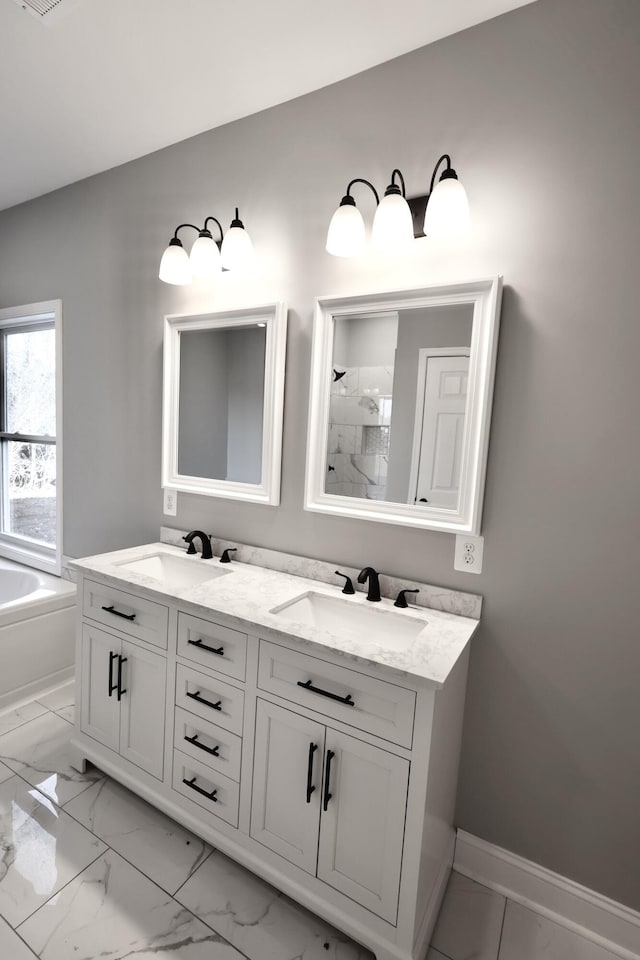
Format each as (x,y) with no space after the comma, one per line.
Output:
(310,788)
(112,686)
(205,793)
(308,685)
(203,646)
(207,703)
(327,777)
(121,660)
(117,613)
(214,751)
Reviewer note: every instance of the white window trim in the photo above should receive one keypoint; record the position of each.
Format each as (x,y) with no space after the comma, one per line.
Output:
(48,559)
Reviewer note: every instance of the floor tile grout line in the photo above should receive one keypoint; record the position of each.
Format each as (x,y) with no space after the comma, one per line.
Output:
(56,803)
(504,916)
(21,938)
(126,859)
(155,883)
(58,892)
(193,872)
(23,723)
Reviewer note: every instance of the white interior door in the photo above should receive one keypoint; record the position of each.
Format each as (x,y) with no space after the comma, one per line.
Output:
(99,709)
(362,828)
(287,775)
(440,452)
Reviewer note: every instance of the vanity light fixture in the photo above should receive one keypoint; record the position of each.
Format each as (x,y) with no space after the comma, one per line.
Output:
(398,220)
(208,257)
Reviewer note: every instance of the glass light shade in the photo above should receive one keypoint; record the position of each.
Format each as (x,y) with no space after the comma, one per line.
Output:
(346,236)
(447,213)
(174,266)
(392,224)
(205,258)
(237,249)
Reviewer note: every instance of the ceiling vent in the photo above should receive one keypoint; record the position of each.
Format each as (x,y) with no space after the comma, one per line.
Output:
(46,11)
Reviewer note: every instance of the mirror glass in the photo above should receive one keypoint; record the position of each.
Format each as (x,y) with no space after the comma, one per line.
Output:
(398,402)
(223,392)
(222,372)
(400,405)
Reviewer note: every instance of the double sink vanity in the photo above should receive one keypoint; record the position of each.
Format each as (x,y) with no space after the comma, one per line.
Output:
(311,735)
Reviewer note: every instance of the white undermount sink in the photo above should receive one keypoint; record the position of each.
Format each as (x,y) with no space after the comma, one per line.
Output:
(172,571)
(374,625)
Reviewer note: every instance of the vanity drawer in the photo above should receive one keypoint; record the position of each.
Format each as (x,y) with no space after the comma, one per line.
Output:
(135,616)
(204,741)
(377,706)
(209,789)
(209,698)
(212,645)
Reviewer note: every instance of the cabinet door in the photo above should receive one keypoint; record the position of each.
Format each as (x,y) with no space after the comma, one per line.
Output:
(362,828)
(287,774)
(142,705)
(99,707)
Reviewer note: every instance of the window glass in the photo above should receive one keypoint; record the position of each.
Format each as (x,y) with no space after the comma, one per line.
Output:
(30,382)
(31,491)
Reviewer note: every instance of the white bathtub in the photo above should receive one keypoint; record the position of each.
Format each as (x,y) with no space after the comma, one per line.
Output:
(37,630)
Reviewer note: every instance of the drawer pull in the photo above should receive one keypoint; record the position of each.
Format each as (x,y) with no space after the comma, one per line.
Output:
(207,703)
(205,793)
(112,686)
(325,693)
(214,751)
(310,788)
(327,778)
(203,646)
(117,613)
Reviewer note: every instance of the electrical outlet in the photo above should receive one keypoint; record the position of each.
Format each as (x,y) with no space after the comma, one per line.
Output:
(468,553)
(170,503)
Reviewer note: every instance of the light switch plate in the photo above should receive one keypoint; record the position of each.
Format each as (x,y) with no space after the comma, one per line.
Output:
(468,553)
(170,502)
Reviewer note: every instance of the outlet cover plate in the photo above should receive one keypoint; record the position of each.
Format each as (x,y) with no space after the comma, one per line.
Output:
(170,506)
(468,553)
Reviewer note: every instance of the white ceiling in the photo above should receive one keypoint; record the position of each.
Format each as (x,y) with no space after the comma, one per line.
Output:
(100,82)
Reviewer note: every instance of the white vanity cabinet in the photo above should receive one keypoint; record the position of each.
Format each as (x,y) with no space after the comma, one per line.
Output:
(331,804)
(332,777)
(123,680)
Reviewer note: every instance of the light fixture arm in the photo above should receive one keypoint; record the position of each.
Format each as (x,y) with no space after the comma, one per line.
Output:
(360,180)
(206,230)
(449,173)
(175,233)
(394,184)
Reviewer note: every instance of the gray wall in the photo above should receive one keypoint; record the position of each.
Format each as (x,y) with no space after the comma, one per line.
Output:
(246,351)
(539,111)
(365,341)
(203,414)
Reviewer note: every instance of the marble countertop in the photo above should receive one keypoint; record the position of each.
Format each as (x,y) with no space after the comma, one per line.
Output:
(249,593)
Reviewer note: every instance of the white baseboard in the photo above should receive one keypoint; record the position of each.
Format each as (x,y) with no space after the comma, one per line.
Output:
(603,921)
(37,688)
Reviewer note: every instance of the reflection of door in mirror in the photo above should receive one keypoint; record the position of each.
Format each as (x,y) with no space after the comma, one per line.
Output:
(443,377)
(388,421)
(221,403)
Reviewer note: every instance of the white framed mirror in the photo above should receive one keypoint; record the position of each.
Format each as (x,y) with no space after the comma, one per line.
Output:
(400,405)
(223,393)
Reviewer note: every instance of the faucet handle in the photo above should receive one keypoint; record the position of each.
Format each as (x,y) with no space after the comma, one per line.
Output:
(348,586)
(225,558)
(188,539)
(401,600)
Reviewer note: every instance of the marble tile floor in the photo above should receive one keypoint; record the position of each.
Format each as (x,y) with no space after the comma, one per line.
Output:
(88,870)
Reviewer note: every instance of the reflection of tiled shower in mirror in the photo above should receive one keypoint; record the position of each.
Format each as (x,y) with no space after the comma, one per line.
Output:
(360,407)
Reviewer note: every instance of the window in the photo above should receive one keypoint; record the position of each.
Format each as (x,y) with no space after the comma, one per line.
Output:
(30,401)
